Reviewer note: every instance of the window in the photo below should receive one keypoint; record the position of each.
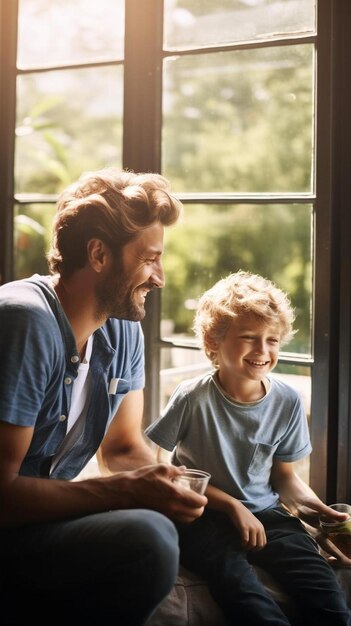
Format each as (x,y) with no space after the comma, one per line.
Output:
(69,95)
(238,142)
(243,105)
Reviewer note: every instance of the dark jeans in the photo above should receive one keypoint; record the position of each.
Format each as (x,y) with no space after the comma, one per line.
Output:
(108,568)
(210,546)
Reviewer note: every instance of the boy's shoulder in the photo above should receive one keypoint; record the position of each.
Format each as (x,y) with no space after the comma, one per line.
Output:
(282,388)
(195,384)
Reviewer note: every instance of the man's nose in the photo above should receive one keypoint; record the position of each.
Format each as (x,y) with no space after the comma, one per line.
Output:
(158,277)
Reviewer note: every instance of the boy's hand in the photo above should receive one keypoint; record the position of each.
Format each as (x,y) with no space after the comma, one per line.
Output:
(252,532)
(310,511)
(331,553)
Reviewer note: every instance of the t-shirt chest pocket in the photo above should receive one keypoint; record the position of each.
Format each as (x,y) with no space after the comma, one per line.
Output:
(262,457)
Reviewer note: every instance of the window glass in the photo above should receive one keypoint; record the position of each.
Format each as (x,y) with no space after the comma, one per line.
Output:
(67,121)
(58,32)
(32,232)
(239,121)
(213,241)
(200,22)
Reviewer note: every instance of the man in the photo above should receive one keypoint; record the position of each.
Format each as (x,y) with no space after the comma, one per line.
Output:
(71,384)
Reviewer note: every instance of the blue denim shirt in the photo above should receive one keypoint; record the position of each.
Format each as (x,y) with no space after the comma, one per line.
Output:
(39,363)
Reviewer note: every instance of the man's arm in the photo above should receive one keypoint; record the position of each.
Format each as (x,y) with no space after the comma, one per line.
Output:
(124,446)
(25,500)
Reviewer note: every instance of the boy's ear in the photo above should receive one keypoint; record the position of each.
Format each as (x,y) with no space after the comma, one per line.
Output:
(212,345)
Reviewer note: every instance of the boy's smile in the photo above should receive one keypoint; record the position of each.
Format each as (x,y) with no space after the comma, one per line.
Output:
(248,352)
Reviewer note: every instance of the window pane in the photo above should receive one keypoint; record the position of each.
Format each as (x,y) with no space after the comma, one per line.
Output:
(212,241)
(67,121)
(61,31)
(239,121)
(190,23)
(32,233)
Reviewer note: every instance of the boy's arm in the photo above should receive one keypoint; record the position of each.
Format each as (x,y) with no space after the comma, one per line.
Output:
(302,501)
(297,496)
(251,530)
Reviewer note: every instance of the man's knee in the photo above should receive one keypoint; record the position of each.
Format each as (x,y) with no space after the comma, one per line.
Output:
(157,538)
(160,535)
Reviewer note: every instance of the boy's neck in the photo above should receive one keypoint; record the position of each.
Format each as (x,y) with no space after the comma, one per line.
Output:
(250,391)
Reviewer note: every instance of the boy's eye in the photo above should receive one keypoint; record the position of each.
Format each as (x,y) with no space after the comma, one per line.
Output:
(272,340)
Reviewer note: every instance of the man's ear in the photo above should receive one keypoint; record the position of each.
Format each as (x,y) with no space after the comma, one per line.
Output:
(98,254)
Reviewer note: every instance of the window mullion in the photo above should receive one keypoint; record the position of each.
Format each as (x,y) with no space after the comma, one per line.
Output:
(143,85)
(8,54)
(142,123)
(324,379)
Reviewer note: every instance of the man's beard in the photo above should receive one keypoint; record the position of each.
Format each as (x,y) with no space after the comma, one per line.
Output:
(114,298)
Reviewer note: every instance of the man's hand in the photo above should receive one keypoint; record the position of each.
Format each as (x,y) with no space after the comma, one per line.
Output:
(152,487)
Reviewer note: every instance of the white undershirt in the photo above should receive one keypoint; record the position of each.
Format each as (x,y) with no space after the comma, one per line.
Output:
(79,403)
(81,387)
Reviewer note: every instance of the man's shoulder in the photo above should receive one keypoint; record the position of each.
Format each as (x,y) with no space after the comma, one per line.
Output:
(26,290)
(24,298)
(24,293)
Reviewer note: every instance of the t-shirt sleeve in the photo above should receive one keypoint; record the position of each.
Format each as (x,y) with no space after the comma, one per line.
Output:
(29,362)
(166,431)
(295,444)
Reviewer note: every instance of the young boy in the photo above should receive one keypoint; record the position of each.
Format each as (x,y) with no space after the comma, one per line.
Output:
(247,428)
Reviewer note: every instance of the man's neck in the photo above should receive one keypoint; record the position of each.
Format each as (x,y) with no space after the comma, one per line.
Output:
(77,301)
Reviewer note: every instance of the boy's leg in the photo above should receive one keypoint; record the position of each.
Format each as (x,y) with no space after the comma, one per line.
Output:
(210,547)
(113,567)
(292,557)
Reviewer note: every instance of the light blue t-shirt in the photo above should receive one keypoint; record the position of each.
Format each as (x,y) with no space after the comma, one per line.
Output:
(235,442)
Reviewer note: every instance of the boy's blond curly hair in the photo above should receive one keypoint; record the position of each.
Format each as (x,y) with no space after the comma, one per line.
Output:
(238,294)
